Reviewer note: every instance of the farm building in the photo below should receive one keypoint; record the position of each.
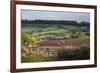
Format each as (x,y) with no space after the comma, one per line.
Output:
(56,36)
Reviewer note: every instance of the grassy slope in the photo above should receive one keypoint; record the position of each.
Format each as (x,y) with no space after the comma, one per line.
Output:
(52,29)
(44,29)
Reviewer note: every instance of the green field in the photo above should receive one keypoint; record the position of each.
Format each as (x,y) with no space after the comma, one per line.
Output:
(46,29)
(33,34)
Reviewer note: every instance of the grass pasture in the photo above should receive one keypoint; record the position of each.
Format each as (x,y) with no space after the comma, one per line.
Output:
(77,36)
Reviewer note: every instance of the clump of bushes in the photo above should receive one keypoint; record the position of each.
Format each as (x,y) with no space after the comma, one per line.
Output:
(76,54)
(62,55)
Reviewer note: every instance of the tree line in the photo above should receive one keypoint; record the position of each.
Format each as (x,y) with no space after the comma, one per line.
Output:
(65,22)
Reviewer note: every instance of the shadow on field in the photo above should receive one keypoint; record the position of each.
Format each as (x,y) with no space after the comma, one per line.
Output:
(62,55)
(77,54)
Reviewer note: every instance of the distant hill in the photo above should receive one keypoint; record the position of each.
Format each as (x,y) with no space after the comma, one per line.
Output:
(62,22)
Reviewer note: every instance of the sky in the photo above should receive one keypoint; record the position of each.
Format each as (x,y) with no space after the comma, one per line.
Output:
(55,15)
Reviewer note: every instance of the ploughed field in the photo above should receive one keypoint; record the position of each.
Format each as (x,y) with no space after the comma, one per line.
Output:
(67,43)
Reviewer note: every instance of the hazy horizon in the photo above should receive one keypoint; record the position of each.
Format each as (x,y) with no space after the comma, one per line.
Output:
(55,15)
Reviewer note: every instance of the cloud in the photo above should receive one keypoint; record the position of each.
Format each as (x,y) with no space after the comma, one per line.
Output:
(55,15)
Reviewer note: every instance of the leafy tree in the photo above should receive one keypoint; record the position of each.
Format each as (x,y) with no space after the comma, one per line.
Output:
(30,41)
(26,39)
(83,35)
(36,40)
